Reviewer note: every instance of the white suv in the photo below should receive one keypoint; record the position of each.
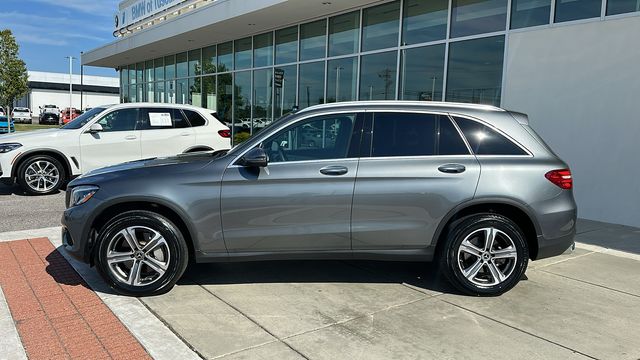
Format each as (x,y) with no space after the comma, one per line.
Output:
(43,161)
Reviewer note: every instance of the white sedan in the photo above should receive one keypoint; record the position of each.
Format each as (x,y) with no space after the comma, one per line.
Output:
(43,161)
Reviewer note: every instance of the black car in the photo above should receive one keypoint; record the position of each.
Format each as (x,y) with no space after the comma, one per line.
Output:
(49,119)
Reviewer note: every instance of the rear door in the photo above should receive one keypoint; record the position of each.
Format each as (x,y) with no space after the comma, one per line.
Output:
(165,132)
(417,168)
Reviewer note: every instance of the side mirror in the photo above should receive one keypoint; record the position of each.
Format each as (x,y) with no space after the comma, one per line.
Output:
(254,158)
(95,128)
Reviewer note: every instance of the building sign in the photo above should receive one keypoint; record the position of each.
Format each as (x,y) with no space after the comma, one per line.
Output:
(141,9)
(278,77)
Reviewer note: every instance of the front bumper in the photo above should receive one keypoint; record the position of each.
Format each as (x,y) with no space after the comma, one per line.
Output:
(77,237)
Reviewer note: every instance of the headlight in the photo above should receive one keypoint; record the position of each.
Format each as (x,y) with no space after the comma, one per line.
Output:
(82,194)
(5,148)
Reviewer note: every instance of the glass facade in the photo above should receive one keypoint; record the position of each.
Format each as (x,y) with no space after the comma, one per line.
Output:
(402,49)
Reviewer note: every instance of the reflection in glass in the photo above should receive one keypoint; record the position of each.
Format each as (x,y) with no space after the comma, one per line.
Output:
(287,45)
(182,91)
(285,89)
(195,91)
(313,40)
(133,93)
(159,72)
(149,92)
(225,56)
(424,21)
(568,10)
(380,26)
(378,76)
(194,62)
(241,106)
(170,87)
(182,65)
(311,90)
(470,17)
(225,98)
(525,13)
(262,98)
(243,53)
(125,94)
(422,72)
(159,95)
(344,34)
(209,60)
(475,71)
(148,71)
(169,67)
(341,79)
(132,74)
(209,92)
(622,6)
(140,73)
(263,50)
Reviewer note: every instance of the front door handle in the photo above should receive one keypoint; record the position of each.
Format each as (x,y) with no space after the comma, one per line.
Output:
(452,168)
(334,170)
(185,134)
(130,137)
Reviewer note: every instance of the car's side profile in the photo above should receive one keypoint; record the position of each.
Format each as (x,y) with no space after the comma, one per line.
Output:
(472,187)
(43,161)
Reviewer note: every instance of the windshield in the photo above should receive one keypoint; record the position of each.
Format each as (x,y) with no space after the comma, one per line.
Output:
(83,119)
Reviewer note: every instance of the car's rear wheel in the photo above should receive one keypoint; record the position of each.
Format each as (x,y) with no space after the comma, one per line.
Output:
(141,253)
(484,254)
(41,175)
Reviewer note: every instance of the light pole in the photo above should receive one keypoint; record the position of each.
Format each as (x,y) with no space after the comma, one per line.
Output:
(338,68)
(81,82)
(71,58)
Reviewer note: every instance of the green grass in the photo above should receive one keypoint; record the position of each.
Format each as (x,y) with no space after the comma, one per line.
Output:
(31,127)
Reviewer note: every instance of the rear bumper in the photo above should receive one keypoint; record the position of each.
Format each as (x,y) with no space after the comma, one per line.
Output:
(553,247)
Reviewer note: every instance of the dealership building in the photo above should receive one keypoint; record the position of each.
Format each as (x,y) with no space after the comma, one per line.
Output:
(572,65)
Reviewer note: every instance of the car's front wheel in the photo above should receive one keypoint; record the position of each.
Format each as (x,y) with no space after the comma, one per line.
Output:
(141,253)
(484,254)
(41,175)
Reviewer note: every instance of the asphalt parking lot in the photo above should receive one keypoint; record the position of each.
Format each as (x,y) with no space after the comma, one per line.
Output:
(19,211)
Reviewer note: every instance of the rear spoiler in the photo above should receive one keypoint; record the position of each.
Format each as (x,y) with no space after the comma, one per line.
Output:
(520,117)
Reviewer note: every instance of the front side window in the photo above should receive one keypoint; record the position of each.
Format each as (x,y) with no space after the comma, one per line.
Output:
(415,134)
(486,141)
(119,120)
(322,137)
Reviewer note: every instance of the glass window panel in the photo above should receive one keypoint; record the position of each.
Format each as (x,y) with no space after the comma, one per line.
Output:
(475,70)
(313,40)
(140,72)
(342,79)
(568,10)
(243,53)
(182,91)
(159,65)
(241,106)
(470,17)
(159,95)
(169,67)
(311,91)
(194,118)
(124,76)
(450,142)
(422,73)
(182,65)
(225,56)
(133,93)
(287,45)
(485,141)
(380,26)
(285,78)
(344,34)
(225,98)
(132,74)
(525,13)
(378,76)
(171,92)
(263,50)
(404,134)
(622,6)
(209,60)
(120,120)
(149,90)
(424,21)
(262,98)
(194,62)
(209,100)
(125,94)
(195,91)
(148,71)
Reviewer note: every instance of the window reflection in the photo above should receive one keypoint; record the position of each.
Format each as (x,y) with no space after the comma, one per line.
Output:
(422,73)
(568,10)
(225,98)
(182,65)
(470,17)
(424,21)
(311,91)
(241,106)
(209,60)
(313,40)
(225,56)
(622,6)
(287,45)
(525,13)
(284,82)
(263,50)
(344,34)
(341,79)
(262,98)
(378,76)
(242,54)
(380,26)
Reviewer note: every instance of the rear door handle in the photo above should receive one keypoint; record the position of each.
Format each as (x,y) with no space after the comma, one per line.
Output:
(130,137)
(185,134)
(452,168)
(334,170)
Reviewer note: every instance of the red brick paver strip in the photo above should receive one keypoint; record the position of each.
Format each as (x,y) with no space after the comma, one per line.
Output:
(56,313)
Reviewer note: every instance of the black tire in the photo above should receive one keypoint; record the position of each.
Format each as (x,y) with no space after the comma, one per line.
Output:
(451,261)
(22,174)
(176,245)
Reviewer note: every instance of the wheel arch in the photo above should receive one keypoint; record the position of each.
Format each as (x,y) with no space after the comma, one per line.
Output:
(50,152)
(198,148)
(515,211)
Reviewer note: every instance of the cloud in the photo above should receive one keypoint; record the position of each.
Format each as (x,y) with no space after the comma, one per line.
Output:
(97,8)
(39,40)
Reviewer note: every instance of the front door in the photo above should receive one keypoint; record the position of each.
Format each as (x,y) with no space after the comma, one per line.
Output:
(165,132)
(118,142)
(302,200)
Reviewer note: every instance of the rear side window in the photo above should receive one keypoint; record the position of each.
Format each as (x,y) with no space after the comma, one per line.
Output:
(162,118)
(415,134)
(194,118)
(486,141)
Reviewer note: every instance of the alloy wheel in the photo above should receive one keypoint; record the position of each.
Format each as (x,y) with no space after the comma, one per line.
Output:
(42,175)
(487,257)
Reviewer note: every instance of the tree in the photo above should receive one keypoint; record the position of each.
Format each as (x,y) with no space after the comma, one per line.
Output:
(13,72)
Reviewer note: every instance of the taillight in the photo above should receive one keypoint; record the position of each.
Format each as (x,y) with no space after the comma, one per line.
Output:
(225,133)
(561,178)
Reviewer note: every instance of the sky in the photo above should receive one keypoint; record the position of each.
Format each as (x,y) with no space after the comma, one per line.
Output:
(49,30)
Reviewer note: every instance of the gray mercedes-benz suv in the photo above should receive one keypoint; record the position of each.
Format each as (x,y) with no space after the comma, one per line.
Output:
(472,187)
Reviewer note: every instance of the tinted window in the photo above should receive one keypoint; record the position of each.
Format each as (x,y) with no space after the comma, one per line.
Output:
(406,134)
(322,137)
(469,17)
(622,6)
(485,141)
(81,120)
(568,10)
(380,26)
(194,118)
(162,118)
(119,120)
(526,13)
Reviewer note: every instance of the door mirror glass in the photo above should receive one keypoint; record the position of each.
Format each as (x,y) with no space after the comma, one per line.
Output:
(95,128)
(254,158)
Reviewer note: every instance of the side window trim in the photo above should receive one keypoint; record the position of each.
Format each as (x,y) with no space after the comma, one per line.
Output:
(500,132)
